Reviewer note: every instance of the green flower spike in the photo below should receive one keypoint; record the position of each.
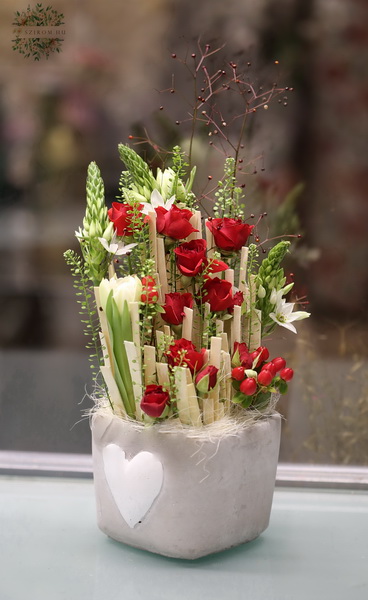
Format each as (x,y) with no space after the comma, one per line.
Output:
(143,182)
(96,224)
(270,278)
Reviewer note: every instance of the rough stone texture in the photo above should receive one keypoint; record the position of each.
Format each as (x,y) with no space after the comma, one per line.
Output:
(215,494)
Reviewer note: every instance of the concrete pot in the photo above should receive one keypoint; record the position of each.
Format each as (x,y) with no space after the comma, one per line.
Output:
(180,495)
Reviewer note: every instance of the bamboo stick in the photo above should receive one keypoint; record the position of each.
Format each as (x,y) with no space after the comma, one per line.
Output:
(136,375)
(152,235)
(229,276)
(243,269)
(195,221)
(182,395)
(225,342)
(207,311)
(236,325)
(105,353)
(208,415)
(134,316)
(210,242)
(160,343)
(161,266)
(195,413)
(227,377)
(215,360)
(161,298)
(187,324)
(219,327)
(167,331)
(113,389)
(104,328)
(149,363)
(162,370)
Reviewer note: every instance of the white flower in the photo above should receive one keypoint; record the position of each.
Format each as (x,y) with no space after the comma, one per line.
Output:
(284,315)
(156,201)
(116,248)
(123,288)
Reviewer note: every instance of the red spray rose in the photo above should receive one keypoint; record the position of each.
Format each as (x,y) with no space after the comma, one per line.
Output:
(229,234)
(121,215)
(206,379)
(184,354)
(241,356)
(218,292)
(238,299)
(191,259)
(174,307)
(154,400)
(149,290)
(174,223)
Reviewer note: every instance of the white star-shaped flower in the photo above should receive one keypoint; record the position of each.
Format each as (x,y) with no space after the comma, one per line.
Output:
(156,201)
(284,314)
(116,248)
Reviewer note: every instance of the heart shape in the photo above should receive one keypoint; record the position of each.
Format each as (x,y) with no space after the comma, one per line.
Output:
(134,484)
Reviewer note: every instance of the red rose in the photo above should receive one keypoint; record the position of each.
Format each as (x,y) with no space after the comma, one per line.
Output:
(174,307)
(121,215)
(191,259)
(149,290)
(241,356)
(154,400)
(174,223)
(183,353)
(206,379)
(229,234)
(218,293)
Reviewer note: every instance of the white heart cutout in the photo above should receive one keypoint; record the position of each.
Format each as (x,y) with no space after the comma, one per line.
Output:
(134,484)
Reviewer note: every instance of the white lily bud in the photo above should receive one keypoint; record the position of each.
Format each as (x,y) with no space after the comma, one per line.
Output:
(261,291)
(127,288)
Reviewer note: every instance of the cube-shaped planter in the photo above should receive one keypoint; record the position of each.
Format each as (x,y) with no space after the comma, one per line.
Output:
(182,492)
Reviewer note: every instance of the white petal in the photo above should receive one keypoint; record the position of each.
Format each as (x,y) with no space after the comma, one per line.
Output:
(298,316)
(169,203)
(156,199)
(289,326)
(105,244)
(125,249)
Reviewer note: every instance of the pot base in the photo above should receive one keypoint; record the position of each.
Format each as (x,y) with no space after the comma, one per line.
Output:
(182,496)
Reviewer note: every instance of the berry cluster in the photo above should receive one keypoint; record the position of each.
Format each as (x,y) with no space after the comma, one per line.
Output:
(254,377)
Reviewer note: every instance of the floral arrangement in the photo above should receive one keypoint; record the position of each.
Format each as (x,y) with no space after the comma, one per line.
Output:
(179,304)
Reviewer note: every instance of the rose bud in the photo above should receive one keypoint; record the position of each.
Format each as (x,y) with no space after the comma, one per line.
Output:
(238,373)
(154,400)
(206,379)
(241,356)
(121,214)
(265,377)
(248,387)
(286,374)
(279,362)
(259,356)
(174,307)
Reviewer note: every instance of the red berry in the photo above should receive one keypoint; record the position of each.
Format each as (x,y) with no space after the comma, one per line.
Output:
(269,367)
(265,377)
(286,374)
(279,362)
(249,386)
(238,373)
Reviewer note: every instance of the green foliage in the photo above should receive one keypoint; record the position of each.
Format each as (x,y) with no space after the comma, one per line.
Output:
(229,194)
(88,310)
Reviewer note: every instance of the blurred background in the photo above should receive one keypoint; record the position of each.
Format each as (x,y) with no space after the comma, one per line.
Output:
(305,165)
